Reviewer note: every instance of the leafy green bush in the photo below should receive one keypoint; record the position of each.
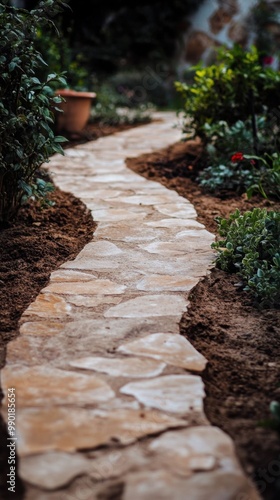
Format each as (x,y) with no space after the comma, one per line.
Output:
(223,141)
(251,247)
(231,90)
(26,136)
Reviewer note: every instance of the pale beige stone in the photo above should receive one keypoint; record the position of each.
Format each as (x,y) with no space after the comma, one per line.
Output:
(171,348)
(88,263)
(48,305)
(127,232)
(174,248)
(179,209)
(93,287)
(121,367)
(118,214)
(166,283)
(68,275)
(161,484)
(93,301)
(41,385)
(181,394)
(150,199)
(170,223)
(67,429)
(52,470)
(42,328)
(117,463)
(100,249)
(149,305)
(199,448)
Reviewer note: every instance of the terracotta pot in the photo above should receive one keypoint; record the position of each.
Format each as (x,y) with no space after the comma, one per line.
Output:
(76,110)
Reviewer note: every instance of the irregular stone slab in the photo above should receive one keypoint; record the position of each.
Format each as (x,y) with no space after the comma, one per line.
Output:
(121,367)
(100,249)
(171,348)
(88,263)
(63,275)
(93,287)
(41,328)
(153,199)
(161,484)
(117,463)
(180,210)
(117,214)
(40,384)
(195,449)
(148,305)
(178,248)
(166,283)
(92,301)
(48,305)
(52,470)
(173,393)
(170,223)
(70,429)
(126,232)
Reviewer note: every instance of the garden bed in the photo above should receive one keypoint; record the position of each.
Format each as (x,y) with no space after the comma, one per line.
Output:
(241,343)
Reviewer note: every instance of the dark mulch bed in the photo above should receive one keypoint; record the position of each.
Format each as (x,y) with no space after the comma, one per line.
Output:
(241,343)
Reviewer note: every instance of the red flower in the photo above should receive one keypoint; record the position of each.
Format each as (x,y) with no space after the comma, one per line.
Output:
(268,60)
(237,157)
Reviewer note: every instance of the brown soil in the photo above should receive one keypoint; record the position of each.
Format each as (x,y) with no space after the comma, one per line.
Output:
(241,343)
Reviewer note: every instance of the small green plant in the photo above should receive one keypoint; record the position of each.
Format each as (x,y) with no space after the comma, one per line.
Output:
(235,88)
(267,180)
(251,247)
(26,136)
(274,421)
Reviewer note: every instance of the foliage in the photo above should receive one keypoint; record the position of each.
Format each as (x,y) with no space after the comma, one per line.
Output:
(248,172)
(113,108)
(250,246)
(61,58)
(264,14)
(233,89)
(267,180)
(26,117)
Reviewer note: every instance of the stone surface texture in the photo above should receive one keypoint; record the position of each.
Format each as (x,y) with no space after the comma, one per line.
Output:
(109,396)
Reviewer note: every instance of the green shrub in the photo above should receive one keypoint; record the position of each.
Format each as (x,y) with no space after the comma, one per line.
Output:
(231,90)
(247,174)
(251,247)
(26,136)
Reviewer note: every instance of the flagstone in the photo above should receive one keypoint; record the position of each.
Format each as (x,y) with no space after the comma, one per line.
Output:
(88,263)
(62,275)
(161,282)
(69,429)
(52,470)
(177,248)
(117,462)
(149,199)
(93,287)
(181,394)
(180,210)
(172,348)
(93,300)
(173,222)
(100,249)
(48,305)
(42,328)
(38,384)
(149,305)
(161,484)
(121,367)
(118,214)
(199,448)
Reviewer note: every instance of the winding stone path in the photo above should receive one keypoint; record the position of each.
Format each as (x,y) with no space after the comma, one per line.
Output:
(109,396)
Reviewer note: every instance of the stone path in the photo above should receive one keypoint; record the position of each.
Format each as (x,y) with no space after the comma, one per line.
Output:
(109,396)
